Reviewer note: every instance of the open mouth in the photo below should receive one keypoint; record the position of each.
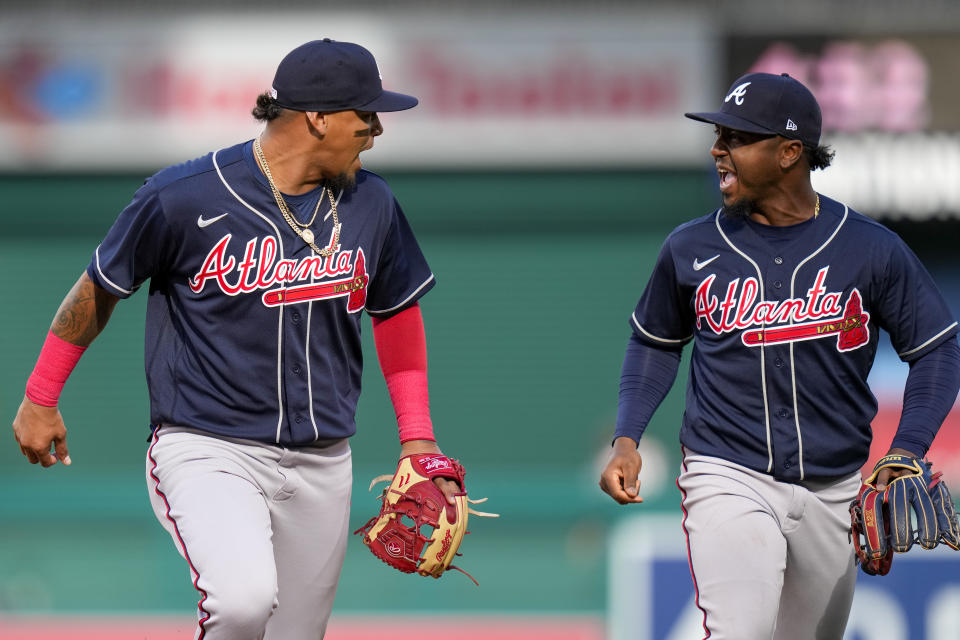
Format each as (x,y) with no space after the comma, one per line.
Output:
(727,179)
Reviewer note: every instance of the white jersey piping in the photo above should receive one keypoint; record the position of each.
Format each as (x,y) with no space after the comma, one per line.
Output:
(793,370)
(914,350)
(633,317)
(104,276)
(763,366)
(280,311)
(405,301)
(306,355)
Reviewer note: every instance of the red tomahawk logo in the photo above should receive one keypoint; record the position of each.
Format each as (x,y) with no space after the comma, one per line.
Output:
(354,287)
(851,329)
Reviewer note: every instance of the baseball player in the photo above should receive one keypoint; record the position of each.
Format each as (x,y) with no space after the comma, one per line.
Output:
(260,258)
(783,292)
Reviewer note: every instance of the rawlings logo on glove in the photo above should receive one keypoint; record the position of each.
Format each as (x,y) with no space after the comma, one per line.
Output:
(412,500)
(883,521)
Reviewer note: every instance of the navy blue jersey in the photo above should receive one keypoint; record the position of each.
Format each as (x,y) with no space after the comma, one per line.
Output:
(785,334)
(250,333)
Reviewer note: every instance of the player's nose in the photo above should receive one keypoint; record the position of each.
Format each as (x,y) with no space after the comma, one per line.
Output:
(376,127)
(718,149)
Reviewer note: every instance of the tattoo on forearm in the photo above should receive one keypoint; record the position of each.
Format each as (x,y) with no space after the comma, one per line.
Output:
(83,314)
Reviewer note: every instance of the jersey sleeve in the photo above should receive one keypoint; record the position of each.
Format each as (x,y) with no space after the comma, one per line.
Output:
(403,275)
(131,251)
(662,317)
(912,309)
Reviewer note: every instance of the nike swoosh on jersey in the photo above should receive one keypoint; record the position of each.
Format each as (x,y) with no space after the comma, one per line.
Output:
(201,222)
(697,265)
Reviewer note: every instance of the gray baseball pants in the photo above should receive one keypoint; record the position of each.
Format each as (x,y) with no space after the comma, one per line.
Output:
(770,559)
(263,529)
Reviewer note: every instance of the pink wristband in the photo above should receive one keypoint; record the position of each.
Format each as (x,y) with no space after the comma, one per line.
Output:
(57,359)
(411,402)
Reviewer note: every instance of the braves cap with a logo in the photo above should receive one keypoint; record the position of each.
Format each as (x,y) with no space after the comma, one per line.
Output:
(769,103)
(327,75)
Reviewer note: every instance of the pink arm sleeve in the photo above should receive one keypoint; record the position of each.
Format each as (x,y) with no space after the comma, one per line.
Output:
(402,350)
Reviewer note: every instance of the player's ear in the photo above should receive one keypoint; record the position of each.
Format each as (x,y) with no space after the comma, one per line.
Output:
(790,153)
(317,123)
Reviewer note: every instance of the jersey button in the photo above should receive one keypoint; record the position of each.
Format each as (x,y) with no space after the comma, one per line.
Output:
(783,413)
(778,362)
(787,465)
(778,260)
(298,419)
(296,368)
(777,284)
(295,316)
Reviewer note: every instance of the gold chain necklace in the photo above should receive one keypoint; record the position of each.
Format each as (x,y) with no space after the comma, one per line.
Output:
(299,227)
(816,209)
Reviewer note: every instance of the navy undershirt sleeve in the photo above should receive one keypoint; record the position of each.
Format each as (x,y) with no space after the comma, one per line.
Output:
(928,396)
(647,375)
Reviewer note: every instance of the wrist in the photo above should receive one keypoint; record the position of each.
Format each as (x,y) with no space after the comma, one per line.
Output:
(625,443)
(56,361)
(411,447)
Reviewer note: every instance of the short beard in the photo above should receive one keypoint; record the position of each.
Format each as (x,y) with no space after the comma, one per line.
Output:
(740,210)
(344,182)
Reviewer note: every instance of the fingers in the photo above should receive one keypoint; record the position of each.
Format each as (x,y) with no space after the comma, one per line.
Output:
(449,488)
(621,491)
(42,455)
(60,446)
(44,458)
(886,476)
(883,479)
(620,479)
(31,456)
(37,429)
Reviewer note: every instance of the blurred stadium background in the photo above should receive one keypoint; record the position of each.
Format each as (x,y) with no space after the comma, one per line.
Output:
(546,162)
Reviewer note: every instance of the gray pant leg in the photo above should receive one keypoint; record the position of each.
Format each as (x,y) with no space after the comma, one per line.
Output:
(821,573)
(737,552)
(218,518)
(310,514)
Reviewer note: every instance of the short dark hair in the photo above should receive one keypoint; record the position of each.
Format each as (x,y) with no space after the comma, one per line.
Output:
(818,157)
(266,108)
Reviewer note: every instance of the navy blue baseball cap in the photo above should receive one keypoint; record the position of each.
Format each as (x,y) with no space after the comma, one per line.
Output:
(326,75)
(769,103)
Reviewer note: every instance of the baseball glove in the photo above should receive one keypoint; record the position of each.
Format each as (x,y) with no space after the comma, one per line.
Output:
(411,501)
(883,521)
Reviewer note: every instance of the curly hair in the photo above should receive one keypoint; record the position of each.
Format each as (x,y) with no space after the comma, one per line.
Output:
(266,108)
(818,157)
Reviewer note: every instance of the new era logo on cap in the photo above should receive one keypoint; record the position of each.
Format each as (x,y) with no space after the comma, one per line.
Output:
(777,104)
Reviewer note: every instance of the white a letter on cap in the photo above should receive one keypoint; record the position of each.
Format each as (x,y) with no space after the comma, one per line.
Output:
(738,93)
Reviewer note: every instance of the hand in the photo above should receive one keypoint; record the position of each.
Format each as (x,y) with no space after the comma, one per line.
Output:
(36,429)
(449,487)
(620,479)
(887,475)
